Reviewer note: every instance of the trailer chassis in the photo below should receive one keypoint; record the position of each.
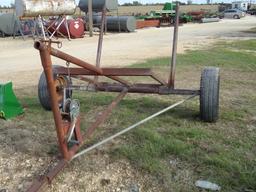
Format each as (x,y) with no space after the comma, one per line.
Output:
(67,121)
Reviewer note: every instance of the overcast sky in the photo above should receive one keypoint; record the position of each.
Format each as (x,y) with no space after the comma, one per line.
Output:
(8,2)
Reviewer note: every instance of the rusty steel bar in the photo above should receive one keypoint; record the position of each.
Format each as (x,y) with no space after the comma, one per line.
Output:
(145,88)
(99,120)
(87,67)
(47,65)
(127,71)
(122,81)
(105,114)
(71,59)
(112,73)
(158,79)
(100,41)
(107,71)
(59,54)
(171,82)
(46,179)
(61,165)
(137,88)
(99,50)
(38,184)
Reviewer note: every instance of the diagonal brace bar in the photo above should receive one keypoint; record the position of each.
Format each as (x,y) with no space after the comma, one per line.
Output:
(61,55)
(105,114)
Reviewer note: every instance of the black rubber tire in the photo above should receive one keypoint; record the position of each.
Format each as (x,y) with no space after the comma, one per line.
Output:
(43,93)
(209,94)
(236,17)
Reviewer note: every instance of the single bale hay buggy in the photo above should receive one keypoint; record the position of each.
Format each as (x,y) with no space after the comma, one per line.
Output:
(55,93)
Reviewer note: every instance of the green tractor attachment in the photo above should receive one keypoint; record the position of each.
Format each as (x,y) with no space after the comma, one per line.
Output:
(9,104)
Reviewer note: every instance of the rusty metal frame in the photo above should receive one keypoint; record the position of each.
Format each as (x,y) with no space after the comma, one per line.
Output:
(83,72)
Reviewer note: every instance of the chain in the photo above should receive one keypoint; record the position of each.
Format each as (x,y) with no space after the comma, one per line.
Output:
(69,77)
(59,44)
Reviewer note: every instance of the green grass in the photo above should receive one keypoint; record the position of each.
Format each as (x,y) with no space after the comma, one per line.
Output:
(223,152)
(221,55)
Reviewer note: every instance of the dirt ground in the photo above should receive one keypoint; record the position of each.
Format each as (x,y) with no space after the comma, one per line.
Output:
(20,63)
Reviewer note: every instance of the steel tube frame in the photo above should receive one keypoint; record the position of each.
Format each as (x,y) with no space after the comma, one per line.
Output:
(145,88)
(86,69)
(47,65)
(45,53)
(68,58)
(113,73)
(41,181)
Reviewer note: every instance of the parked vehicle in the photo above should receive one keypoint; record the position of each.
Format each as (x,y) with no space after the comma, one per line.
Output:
(251,11)
(233,13)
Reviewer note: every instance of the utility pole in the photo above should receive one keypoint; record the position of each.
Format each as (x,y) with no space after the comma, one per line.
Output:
(90,17)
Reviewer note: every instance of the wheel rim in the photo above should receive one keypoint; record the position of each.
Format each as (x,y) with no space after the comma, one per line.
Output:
(60,83)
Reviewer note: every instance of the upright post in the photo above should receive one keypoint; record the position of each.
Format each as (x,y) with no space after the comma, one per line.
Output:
(14,25)
(119,27)
(99,51)
(90,17)
(47,65)
(174,48)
